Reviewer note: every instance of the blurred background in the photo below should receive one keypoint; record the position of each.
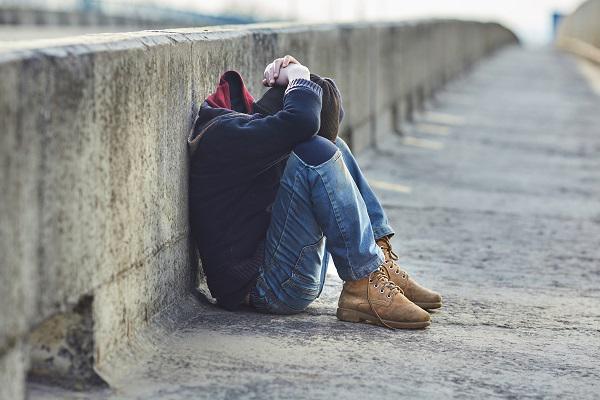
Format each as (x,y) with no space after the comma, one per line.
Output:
(533,20)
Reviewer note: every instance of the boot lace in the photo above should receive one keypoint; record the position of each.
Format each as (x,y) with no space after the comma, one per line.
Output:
(379,279)
(386,246)
(397,270)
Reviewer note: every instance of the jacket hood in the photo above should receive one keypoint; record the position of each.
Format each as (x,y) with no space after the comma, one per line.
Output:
(231,95)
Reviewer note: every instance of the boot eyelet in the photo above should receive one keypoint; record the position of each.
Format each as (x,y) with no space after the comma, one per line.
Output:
(397,272)
(381,291)
(375,286)
(389,297)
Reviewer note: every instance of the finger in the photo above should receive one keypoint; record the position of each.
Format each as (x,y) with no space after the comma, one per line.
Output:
(271,77)
(286,61)
(264,82)
(269,74)
(292,60)
(276,67)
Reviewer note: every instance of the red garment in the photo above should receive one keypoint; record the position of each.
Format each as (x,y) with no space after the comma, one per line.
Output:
(231,85)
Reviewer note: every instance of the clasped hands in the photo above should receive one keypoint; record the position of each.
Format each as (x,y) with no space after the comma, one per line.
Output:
(284,70)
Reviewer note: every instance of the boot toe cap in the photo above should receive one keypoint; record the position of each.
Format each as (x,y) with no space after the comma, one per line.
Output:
(429,300)
(413,313)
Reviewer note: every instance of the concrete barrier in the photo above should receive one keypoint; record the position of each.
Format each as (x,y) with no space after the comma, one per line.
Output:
(579,33)
(94,236)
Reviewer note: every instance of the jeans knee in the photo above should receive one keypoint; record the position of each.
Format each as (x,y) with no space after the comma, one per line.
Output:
(316,150)
(341,144)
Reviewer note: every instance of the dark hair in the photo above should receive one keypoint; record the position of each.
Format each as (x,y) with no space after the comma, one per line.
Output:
(331,111)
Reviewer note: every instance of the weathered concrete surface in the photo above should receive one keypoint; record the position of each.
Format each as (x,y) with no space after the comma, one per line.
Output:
(13,366)
(62,349)
(579,33)
(94,159)
(502,217)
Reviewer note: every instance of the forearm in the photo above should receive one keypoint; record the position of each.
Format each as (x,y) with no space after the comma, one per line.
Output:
(302,107)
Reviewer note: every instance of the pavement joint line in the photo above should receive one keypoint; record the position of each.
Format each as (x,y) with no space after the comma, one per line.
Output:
(394,187)
(422,143)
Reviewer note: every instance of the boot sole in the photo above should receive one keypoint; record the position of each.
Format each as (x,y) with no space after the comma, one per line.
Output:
(429,306)
(357,316)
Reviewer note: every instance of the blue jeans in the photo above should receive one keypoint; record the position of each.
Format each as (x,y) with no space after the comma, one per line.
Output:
(319,210)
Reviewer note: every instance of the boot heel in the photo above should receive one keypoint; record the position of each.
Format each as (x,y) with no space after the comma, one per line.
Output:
(347,315)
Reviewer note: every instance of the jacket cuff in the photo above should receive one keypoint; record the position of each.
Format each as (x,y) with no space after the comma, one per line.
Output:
(306,84)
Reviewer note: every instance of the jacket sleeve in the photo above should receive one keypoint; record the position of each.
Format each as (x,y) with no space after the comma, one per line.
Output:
(269,136)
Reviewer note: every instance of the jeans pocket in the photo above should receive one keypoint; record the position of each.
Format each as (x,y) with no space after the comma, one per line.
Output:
(304,283)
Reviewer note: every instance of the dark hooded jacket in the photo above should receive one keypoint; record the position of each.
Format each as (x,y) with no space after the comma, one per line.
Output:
(237,160)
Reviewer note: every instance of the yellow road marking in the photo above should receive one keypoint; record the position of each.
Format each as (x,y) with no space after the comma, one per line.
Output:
(446,119)
(423,143)
(390,186)
(433,129)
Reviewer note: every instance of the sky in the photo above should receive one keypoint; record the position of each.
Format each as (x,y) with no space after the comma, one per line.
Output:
(530,19)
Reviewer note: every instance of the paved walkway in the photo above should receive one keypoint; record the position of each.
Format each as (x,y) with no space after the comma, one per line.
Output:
(503,218)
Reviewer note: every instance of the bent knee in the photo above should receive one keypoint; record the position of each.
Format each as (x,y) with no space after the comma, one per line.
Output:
(316,150)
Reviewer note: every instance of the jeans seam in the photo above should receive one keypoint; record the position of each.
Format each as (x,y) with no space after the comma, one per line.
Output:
(337,215)
(384,229)
(337,155)
(287,215)
(294,270)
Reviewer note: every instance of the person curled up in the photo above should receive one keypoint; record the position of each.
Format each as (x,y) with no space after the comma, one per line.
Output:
(274,192)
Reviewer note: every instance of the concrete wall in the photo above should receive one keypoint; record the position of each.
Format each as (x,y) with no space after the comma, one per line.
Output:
(579,33)
(94,162)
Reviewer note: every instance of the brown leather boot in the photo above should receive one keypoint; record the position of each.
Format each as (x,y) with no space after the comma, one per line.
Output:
(423,297)
(378,300)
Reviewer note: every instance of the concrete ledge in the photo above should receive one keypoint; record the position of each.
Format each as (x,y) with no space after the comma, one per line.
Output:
(94,160)
(581,49)
(579,33)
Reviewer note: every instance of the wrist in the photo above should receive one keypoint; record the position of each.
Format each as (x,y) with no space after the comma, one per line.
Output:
(298,72)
